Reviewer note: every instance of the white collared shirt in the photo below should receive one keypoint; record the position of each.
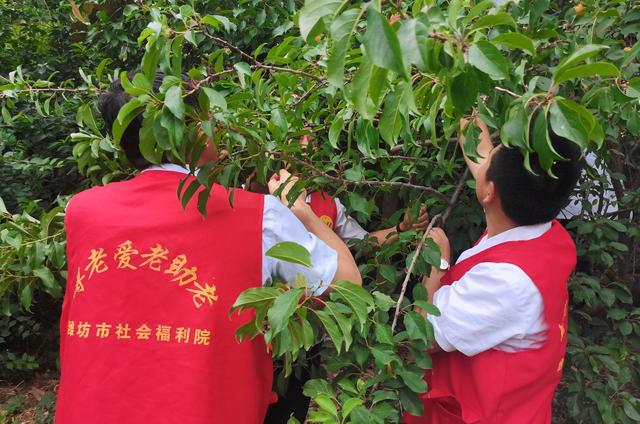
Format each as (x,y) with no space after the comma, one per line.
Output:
(280,224)
(494,305)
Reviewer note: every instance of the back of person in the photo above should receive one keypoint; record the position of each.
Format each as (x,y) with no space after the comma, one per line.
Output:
(146,334)
(504,387)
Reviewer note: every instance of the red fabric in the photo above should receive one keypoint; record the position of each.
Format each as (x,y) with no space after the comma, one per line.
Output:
(500,387)
(324,207)
(171,377)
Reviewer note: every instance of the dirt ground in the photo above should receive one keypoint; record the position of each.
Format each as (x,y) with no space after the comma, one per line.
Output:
(29,402)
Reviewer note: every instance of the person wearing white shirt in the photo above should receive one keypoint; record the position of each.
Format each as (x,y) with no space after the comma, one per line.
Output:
(503,305)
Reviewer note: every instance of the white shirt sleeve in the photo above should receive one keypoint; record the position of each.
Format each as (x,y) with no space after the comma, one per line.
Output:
(280,224)
(346,227)
(494,305)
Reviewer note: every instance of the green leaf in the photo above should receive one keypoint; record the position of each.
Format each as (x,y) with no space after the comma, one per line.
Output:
(384,334)
(3,208)
(359,94)
(289,251)
(349,405)
(547,155)
(411,35)
(316,386)
(463,90)
(500,18)
(356,297)
(571,121)
(46,276)
(411,402)
(513,131)
(578,56)
(127,113)
(413,381)
(429,308)
(312,13)
(515,40)
(335,130)
(487,58)
(331,327)
(283,308)
(149,144)
(326,404)
(173,101)
(254,297)
(215,98)
(343,322)
(602,69)
(630,410)
(416,326)
(341,31)
(26,296)
(382,45)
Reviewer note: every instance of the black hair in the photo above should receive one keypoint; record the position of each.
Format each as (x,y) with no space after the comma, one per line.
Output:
(529,199)
(109,105)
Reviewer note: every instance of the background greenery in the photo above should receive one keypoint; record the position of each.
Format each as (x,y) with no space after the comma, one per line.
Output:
(382,85)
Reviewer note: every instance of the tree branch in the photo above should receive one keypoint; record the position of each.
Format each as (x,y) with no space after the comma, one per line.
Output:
(341,180)
(444,216)
(256,63)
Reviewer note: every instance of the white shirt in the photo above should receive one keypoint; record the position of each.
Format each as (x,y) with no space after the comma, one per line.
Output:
(493,306)
(345,227)
(280,224)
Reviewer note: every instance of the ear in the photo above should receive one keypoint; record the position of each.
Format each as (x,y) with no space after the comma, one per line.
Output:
(489,194)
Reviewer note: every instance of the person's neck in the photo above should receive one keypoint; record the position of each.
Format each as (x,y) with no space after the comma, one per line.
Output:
(497,222)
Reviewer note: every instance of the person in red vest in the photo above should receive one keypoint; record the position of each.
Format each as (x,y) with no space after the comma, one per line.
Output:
(146,334)
(501,336)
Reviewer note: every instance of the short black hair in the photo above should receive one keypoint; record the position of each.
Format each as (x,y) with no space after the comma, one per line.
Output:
(109,105)
(529,199)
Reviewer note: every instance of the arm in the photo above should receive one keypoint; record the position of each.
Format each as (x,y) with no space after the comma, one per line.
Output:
(347,268)
(484,147)
(432,282)
(389,235)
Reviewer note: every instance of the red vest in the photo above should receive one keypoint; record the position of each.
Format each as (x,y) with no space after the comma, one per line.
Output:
(146,334)
(497,387)
(324,207)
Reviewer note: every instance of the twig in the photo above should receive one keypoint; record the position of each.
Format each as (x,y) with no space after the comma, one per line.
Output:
(256,63)
(444,216)
(509,92)
(410,269)
(398,184)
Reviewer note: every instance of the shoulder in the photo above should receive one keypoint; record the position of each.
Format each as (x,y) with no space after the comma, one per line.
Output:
(496,278)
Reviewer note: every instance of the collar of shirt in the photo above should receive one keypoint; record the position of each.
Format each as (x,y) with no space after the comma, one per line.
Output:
(525,232)
(167,167)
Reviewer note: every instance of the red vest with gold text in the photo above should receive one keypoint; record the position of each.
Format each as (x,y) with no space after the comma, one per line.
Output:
(325,208)
(497,387)
(146,334)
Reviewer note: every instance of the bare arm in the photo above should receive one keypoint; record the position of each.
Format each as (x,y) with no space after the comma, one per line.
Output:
(484,147)
(347,268)
(432,282)
(389,235)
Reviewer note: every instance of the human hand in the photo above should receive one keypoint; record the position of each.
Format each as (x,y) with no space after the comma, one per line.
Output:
(283,177)
(440,238)
(418,223)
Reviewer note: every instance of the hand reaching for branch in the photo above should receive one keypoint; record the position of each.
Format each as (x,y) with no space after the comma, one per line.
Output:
(283,177)
(410,222)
